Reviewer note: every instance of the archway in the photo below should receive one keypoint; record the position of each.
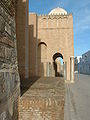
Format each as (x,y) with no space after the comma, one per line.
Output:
(58,64)
(42,49)
(42,58)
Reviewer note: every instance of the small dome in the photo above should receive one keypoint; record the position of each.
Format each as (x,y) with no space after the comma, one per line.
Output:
(58,11)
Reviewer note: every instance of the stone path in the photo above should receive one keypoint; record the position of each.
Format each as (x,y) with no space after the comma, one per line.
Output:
(42,99)
(77,106)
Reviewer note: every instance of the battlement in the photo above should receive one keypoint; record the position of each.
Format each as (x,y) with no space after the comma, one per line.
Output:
(52,16)
(55,14)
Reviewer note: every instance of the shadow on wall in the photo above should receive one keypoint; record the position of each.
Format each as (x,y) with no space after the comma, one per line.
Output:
(27,83)
(36,67)
(32,52)
(40,62)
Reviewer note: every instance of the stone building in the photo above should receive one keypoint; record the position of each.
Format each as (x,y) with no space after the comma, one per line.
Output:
(51,37)
(29,46)
(84,64)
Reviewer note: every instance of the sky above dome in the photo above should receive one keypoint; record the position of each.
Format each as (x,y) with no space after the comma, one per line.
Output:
(81,16)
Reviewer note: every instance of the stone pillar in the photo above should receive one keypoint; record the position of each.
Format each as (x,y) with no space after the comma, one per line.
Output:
(33,46)
(22,37)
(52,70)
(58,66)
(65,70)
(72,69)
(47,69)
(26,42)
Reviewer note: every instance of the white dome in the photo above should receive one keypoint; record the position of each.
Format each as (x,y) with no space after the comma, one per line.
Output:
(58,11)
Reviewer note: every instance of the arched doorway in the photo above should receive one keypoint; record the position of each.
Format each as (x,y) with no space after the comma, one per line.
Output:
(42,58)
(58,64)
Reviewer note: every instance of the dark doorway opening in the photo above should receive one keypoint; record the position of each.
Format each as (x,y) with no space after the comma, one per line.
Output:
(58,64)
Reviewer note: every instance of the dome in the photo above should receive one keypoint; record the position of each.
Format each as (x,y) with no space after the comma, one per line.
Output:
(58,11)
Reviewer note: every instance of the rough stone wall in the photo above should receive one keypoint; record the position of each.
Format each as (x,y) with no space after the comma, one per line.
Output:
(9,77)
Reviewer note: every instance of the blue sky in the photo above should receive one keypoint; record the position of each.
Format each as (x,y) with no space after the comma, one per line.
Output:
(81,16)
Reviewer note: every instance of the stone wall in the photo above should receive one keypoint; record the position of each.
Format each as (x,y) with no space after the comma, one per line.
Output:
(9,77)
(56,31)
(33,42)
(22,13)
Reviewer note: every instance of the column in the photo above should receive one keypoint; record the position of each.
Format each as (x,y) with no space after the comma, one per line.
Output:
(22,13)
(47,69)
(65,70)
(72,69)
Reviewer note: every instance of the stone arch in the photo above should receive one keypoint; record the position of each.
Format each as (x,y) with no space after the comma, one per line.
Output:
(42,47)
(56,55)
(42,43)
(42,58)
(58,67)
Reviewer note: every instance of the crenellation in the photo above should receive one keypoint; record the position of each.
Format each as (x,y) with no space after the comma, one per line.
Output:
(54,16)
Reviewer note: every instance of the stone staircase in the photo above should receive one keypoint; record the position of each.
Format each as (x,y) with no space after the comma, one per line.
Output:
(42,99)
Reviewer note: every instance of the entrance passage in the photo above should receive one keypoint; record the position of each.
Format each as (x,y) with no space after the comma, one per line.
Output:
(58,64)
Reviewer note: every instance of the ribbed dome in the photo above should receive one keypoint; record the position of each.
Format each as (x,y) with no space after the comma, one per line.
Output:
(58,11)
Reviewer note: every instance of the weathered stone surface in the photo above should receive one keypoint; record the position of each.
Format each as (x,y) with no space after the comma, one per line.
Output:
(9,5)
(44,100)
(9,77)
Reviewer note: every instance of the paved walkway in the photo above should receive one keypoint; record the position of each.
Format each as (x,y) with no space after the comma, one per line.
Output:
(42,99)
(77,106)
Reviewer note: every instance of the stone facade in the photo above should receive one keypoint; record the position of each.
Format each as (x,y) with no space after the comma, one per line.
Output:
(51,36)
(42,39)
(9,77)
